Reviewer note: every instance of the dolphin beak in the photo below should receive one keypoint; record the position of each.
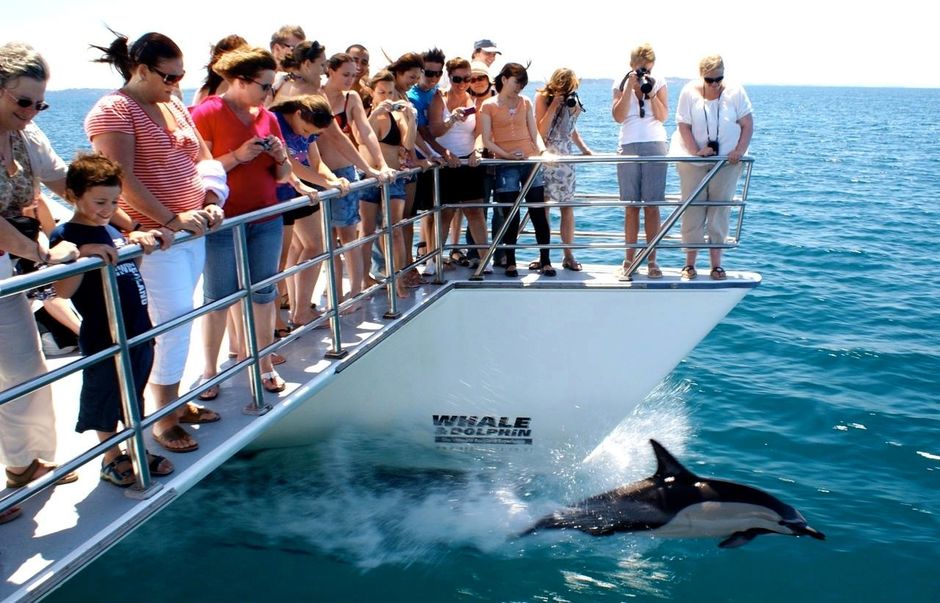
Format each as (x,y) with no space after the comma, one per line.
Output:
(808,531)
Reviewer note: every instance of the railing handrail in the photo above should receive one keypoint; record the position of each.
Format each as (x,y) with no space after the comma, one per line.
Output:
(134,431)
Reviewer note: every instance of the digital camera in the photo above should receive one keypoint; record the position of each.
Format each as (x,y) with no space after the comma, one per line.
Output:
(713,145)
(264,144)
(646,82)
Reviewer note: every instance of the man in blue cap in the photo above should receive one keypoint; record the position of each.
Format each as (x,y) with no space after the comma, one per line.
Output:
(484,50)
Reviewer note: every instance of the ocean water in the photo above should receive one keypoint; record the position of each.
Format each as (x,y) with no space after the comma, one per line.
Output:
(820,387)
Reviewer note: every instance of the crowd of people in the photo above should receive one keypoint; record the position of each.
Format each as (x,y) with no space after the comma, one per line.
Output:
(271,124)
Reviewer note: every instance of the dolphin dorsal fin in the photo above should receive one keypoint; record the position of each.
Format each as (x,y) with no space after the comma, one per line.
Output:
(668,466)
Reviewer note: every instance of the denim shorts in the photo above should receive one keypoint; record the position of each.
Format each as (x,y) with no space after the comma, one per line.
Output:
(345,210)
(219,278)
(510,178)
(396,190)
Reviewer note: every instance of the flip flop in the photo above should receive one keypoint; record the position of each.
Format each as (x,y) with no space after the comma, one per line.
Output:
(173,435)
(10,514)
(571,264)
(547,270)
(153,463)
(276,383)
(718,273)
(18,480)
(653,271)
(197,415)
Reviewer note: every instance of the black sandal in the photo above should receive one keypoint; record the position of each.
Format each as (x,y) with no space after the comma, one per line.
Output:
(458,256)
(718,273)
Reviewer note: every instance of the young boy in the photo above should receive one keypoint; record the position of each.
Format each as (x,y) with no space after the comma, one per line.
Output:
(93,186)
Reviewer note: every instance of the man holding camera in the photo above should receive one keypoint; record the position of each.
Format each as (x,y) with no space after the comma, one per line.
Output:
(641,106)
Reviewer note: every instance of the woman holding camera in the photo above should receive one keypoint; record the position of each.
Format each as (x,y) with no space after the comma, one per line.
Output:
(453,122)
(641,106)
(714,118)
(557,108)
(246,138)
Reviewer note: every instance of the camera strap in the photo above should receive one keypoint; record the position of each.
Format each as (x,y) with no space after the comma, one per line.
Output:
(717,115)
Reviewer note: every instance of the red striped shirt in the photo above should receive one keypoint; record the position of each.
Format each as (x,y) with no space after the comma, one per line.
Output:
(164,161)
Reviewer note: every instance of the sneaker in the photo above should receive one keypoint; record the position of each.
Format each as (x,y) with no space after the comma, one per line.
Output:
(429,269)
(51,349)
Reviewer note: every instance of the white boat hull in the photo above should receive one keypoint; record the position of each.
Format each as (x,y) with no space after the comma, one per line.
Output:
(534,376)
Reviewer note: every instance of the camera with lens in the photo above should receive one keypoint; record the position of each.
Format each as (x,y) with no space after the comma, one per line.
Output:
(571,99)
(646,82)
(264,144)
(713,145)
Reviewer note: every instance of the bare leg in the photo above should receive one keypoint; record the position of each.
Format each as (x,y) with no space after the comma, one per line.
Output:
(651,228)
(631,229)
(367,213)
(567,231)
(308,236)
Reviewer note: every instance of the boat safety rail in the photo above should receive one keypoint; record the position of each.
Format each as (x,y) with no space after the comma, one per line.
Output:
(675,202)
(136,425)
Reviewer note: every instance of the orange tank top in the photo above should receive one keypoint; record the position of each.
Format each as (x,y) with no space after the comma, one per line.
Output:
(509,127)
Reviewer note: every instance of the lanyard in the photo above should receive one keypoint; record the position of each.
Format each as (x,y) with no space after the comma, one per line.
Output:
(717,114)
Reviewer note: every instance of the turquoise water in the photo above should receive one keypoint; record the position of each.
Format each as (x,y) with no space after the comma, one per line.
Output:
(820,387)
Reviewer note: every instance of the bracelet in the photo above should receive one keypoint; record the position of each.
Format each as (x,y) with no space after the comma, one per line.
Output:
(137,226)
(43,257)
(170,221)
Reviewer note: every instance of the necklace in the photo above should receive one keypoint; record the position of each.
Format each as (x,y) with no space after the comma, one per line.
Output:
(512,110)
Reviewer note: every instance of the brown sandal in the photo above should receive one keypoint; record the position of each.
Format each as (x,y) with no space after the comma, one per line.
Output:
(173,435)
(18,480)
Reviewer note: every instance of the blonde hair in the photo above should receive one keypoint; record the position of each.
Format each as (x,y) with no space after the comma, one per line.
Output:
(710,63)
(563,81)
(642,54)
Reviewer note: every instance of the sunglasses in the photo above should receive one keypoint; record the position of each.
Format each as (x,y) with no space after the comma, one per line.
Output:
(168,78)
(27,102)
(713,80)
(432,73)
(478,78)
(457,79)
(264,87)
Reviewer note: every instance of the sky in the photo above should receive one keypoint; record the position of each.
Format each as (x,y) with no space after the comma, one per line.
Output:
(799,42)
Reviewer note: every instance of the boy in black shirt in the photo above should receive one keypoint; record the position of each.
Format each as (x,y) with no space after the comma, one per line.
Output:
(93,186)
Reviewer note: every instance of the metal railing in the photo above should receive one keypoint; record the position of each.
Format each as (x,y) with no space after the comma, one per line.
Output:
(119,351)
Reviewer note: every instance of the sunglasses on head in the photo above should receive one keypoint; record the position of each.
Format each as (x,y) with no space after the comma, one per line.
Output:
(432,73)
(168,78)
(27,102)
(713,80)
(457,79)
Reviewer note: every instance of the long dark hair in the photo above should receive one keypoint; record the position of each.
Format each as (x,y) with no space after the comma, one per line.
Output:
(226,44)
(305,51)
(314,109)
(512,70)
(149,49)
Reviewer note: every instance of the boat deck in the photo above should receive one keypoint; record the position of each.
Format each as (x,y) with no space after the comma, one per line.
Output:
(64,528)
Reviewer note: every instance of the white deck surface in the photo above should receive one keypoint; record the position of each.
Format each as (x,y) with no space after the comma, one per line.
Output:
(64,528)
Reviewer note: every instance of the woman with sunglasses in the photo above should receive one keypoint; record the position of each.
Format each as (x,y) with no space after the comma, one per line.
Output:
(641,106)
(714,118)
(557,108)
(246,138)
(510,132)
(170,181)
(27,425)
(453,122)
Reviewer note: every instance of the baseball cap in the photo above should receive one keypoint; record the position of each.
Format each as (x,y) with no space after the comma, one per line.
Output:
(486,46)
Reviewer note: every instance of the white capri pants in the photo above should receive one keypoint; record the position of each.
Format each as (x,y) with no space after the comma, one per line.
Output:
(27,425)
(171,278)
(696,220)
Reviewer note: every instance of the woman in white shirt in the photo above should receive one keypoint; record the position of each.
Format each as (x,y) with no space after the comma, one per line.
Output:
(714,118)
(641,106)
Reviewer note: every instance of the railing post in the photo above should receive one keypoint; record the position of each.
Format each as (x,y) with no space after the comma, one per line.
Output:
(329,240)
(137,450)
(438,227)
(484,261)
(388,234)
(257,406)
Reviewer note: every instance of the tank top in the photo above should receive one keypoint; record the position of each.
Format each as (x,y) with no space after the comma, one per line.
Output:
(459,139)
(509,126)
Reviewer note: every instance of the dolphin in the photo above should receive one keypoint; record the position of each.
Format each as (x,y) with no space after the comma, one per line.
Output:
(675,502)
